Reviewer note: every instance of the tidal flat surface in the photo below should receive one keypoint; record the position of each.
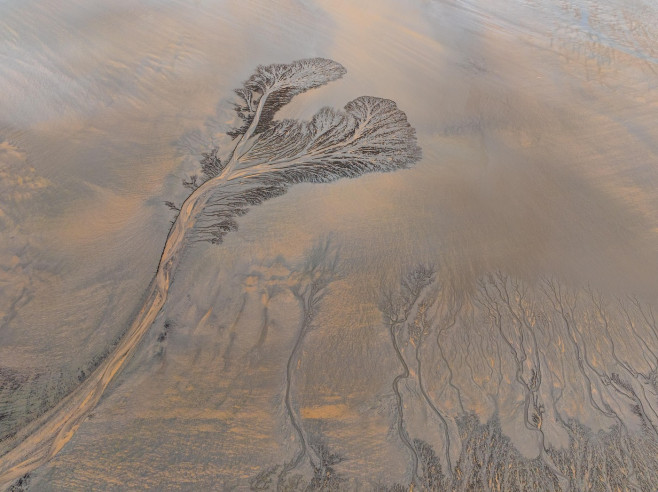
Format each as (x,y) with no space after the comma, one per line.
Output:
(483,319)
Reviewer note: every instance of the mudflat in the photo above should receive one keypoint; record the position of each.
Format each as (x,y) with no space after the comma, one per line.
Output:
(417,247)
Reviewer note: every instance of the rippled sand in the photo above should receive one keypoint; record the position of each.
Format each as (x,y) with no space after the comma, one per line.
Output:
(537,122)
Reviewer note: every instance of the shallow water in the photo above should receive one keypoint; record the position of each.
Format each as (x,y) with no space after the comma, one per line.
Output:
(537,122)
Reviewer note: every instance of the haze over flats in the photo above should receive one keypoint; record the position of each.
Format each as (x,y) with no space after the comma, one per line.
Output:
(537,124)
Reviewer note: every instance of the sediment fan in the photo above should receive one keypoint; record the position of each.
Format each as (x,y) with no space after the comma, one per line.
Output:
(369,134)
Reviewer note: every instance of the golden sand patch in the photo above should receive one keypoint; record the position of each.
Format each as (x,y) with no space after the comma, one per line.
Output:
(325,411)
